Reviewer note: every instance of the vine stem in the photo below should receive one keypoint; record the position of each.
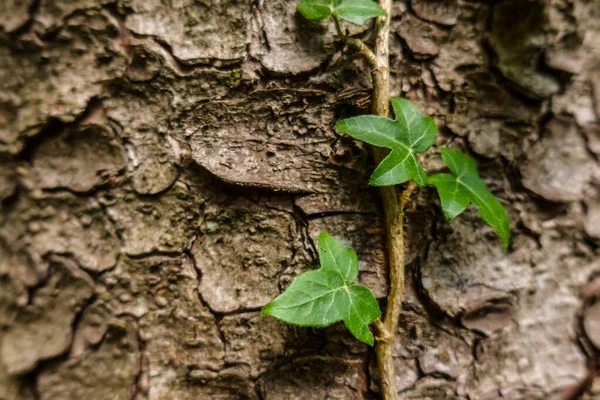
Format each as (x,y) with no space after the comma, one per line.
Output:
(356,44)
(393,205)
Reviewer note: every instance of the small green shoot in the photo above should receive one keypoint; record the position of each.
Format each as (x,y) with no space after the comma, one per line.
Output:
(462,187)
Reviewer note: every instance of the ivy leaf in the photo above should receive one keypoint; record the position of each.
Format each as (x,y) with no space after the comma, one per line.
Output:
(462,187)
(357,11)
(354,11)
(315,9)
(409,134)
(322,297)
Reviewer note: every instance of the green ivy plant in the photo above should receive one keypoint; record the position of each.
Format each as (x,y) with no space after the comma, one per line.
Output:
(412,133)
(319,298)
(325,296)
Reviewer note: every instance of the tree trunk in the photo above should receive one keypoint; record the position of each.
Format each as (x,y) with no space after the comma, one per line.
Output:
(166,168)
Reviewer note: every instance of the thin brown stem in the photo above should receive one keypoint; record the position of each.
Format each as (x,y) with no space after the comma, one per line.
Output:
(393,205)
(338,27)
(393,208)
(356,44)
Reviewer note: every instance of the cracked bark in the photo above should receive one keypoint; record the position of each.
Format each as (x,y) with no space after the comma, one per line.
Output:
(161,178)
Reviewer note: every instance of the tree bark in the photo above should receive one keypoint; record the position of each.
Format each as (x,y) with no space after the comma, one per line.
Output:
(166,168)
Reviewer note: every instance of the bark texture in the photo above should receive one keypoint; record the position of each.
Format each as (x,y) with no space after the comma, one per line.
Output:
(166,168)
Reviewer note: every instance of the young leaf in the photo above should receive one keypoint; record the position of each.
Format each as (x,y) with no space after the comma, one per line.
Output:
(322,297)
(410,133)
(357,11)
(354,11)
(315,9)
(462,187)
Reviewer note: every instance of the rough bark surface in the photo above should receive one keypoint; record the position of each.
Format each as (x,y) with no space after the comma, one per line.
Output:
(166,168)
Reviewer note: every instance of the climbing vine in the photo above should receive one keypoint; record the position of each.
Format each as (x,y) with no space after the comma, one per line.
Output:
(328,295)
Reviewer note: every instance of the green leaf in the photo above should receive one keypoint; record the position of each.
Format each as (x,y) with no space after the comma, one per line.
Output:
(357,11)
(462,187)
(409,134)
(322,297)
(315,9)
(354,11)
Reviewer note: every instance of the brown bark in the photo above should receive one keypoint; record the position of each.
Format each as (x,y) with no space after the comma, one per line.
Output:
(166,167)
